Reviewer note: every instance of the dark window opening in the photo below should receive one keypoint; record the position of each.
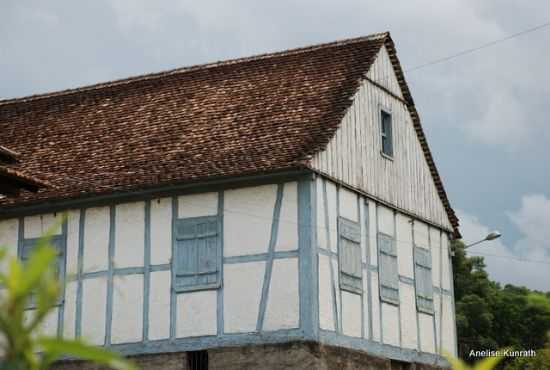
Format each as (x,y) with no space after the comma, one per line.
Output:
(400,365)
(197,360)
(386,132)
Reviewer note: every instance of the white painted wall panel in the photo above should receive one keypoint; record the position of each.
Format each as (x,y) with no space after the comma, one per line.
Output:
(242,291)
(322,241)
(447,278)
(8,239)
(366,307)
(248,217)
(49,325)
(437,317)
(435,241)
(159,305)
(409,334)
(390,324)
(385,220)
(427,339)
(161,231)
(421,234)
(127,325)
(332,215)
(404,246)
(197,205)
(326,311)
(197,314)
(96,239)
(94,303)
(129,235)
(348,204)
(36,226)
(373,232)
(351,314)
(73,224)
(448,326)
(283,303)
(69,312)
(375,296)
(287,237)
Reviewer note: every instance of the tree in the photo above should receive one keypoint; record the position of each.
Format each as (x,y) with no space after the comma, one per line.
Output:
(23,346)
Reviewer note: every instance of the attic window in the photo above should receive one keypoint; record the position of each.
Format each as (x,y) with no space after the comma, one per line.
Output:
(386,133)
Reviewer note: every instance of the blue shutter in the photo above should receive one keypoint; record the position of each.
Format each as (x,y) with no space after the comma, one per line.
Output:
(197,256)
(56,242)
(349,252)
(388,272)
(423,279)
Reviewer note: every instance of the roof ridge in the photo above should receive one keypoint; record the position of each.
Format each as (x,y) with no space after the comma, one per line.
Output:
(154,75)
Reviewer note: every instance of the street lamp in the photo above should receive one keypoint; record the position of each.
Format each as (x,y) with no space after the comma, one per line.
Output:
(491,236)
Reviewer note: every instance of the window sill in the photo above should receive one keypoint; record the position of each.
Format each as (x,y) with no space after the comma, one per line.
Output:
(386,156)
(196,288)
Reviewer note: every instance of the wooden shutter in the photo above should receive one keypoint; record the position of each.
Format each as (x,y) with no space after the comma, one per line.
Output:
(389,275)
(351,274)
(197,256)
(56,242)
(423,279)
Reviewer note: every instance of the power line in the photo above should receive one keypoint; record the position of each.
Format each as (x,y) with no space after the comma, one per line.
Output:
(477,48)
(520,259)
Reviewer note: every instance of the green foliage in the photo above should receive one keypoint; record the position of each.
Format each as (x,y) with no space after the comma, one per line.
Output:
(34,283)
(487,363)
(490,316)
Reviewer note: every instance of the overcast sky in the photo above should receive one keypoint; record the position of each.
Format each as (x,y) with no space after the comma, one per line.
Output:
(486,114)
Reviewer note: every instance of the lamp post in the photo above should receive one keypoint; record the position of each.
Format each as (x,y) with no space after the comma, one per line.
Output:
(491,236)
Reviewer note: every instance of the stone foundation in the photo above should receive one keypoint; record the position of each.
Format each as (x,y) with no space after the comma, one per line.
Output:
(288,356)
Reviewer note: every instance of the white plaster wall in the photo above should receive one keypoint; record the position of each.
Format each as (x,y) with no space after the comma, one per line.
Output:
(404,246)
(332,215)
(36,226)
(448,326)
(385,220)
(161,231)
(94,301)
(373,232)
(338,290)
(348,204)
(198,205)
(49,325)
(375,296)
(96,239)
(446,264)
(435,241)
(427,340)
(326,312)
(129,235)
(197,314)
(321,210)
(127,324)
(364,231)
(283,303)
(421,233)
(159,305)
(409,334)
(287,236)
(366,304)
(351,314)
(8,239)
(437,317)
(242,292)
(69,312)
(390,324)
(248,214)
(73,224)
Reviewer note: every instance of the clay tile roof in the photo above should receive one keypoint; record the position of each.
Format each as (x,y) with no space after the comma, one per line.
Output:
(245,116)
